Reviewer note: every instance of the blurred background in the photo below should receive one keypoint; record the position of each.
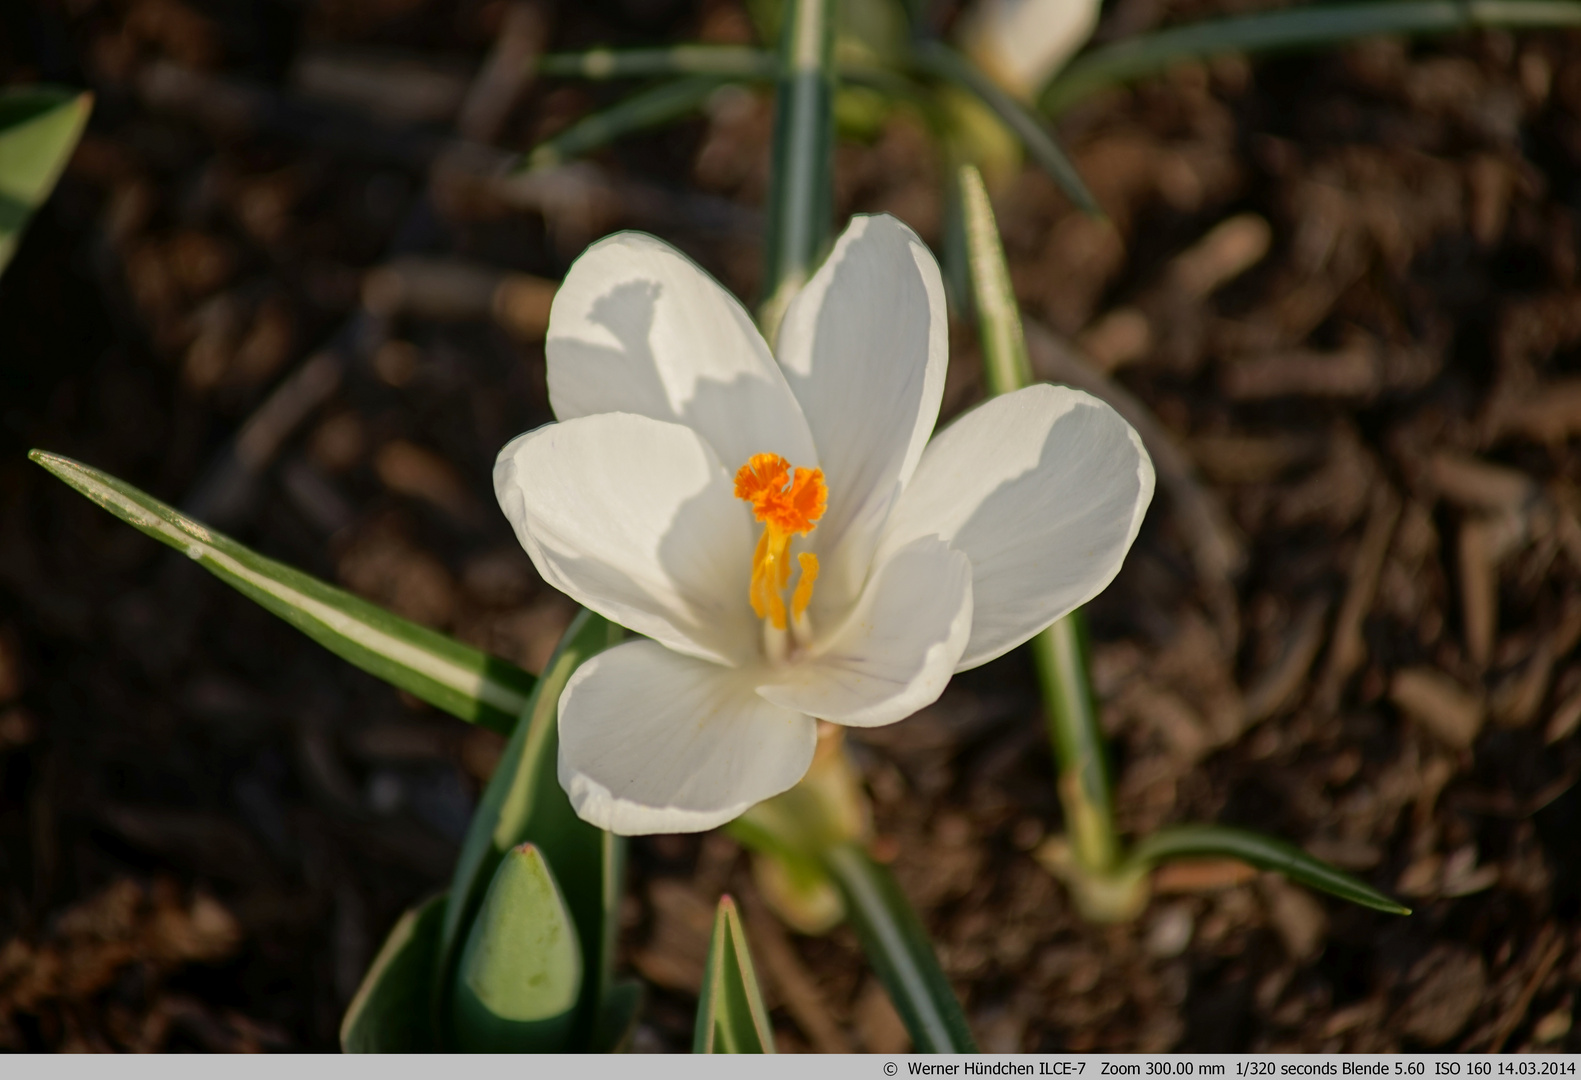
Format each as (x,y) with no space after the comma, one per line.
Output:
(286,285)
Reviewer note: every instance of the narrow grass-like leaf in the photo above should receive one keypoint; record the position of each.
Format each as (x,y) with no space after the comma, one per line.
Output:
(801,178)
(520,976)
(728,63)
(1060,651)
(1263,852)
(39,127)
(720,61)
(1005,364)
(524,802)
(393,1010)
(898,948)
(601,1023)
(943,62)
(1060,655)
(731,1016)
(457,678)
(1306,27)
(644,109)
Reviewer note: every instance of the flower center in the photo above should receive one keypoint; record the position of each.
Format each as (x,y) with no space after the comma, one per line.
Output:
(788,504)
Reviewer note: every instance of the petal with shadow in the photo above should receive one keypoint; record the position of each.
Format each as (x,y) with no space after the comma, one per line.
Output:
(637,520)
(864,347)
(654,742)
(896,650)
(1044,490)
(638,327)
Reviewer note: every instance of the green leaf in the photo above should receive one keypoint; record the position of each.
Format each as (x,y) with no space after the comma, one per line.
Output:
(943,62)
(604,1023)
(721,61)
(1263,852)
(801,177)
(902,956)
(728,63)
(731,1017)
(392,1012)
(617,1018)
(645,109)
(1005,364)
(39,128)
(457,678)
(1060,655)
(1308,27)
(521,973)
(1060,652)
(525,803)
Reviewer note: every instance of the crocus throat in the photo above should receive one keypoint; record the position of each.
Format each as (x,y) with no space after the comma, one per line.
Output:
(789,504)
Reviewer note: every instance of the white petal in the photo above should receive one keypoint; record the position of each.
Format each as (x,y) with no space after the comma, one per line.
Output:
(897,650)
(864,347)
(1023,43)
(1044,490)
(653,742)
(638,521)
(638,327)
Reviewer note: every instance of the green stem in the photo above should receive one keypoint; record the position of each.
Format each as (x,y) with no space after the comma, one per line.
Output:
(801,187)
(898,948)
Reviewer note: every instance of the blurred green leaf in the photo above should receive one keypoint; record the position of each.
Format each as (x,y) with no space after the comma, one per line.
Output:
(801,176)
(617,1017)
(525,803)
(943,62)
(647,108)
(722,61)
(457,678)
(1306,27)
(898,948)
(731,1017)
(393,1010)
(521,972)
(1263,852)
(39,128)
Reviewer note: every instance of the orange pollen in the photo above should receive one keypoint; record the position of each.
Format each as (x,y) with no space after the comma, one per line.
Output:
(791,504)
(788,503)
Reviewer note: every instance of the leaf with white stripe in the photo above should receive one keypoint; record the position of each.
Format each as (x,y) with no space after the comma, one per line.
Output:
(457,678)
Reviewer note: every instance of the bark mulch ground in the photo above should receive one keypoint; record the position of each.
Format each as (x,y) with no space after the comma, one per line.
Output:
(1341,289)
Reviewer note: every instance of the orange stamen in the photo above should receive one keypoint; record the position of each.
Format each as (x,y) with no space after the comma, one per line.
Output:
(788,503)
(809,577)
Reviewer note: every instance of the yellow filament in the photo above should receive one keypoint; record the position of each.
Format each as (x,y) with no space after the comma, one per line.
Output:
(809,577)
(789,503)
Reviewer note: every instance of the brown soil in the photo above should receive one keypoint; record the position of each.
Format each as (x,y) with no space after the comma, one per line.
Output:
(1344,287)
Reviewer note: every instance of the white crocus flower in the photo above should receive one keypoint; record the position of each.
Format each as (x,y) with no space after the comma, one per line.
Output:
(784,535)
(1022,44)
